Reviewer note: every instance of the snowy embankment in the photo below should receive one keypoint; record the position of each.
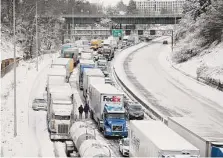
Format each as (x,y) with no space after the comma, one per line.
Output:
(208,66)
(26,76)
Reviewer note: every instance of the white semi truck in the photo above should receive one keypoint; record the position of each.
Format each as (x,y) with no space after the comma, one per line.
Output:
(107,109)
(87,74)
(155,139)
(199,133)
(58,71)
(60,112)
(83,142)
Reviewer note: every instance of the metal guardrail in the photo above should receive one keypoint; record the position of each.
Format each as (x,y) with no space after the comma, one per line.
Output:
(154,112)
(9,67)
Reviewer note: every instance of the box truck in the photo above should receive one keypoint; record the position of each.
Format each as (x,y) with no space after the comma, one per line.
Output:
(107,109)
(201,134)
(155,139)
(87,74)
(83,65)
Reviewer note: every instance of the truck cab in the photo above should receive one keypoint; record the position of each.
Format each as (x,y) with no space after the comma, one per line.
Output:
(108,51)
(60,116)
(114,121)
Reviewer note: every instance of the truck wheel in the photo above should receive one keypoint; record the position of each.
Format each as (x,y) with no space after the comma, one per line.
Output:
(91,114)
(99,128)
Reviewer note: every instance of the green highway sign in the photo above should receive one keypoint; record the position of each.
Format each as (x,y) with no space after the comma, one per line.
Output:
(117,33)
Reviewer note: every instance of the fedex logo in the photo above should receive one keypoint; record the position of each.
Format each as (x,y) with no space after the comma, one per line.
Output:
(111,99)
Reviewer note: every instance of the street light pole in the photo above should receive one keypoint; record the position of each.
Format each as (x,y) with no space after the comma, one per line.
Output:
(15,111)
(36,38)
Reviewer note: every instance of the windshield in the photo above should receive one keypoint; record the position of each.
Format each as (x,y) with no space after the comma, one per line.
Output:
(68,55)
(115,116)
(126,142)
(136,107)
(59,117)
(39,101)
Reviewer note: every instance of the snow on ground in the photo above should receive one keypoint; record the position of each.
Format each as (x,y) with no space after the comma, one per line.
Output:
(211,60)
(7,49)
(151,77)
(26,76)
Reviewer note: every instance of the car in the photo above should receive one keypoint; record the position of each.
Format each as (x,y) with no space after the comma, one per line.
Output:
(39,104)
(106,73)
(134,110)
(165,42)
(124,146)
(109,81)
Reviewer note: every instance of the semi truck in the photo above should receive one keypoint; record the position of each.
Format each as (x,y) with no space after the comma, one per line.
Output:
(72,54)
(60,116)
(102,64)
(108,50)
(95,44)
(155,139)
(87,74)
(83,65)
(107,109)
(83,142)
(66,46)
(201,134)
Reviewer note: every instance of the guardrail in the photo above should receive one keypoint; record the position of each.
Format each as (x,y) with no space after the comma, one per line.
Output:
(153,111)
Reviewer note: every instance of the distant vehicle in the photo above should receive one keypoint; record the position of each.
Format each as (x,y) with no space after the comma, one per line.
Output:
(106,73)
(134,111)
(124,146)
(109,81)
(39,103)
(165,42)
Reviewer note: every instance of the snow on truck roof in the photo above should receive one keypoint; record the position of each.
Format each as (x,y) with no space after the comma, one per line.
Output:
(106,88)
(57,72)
(60,61)
(62,88)
(203,130)
(56,80)
(95,71)
(162,136)
(85,61)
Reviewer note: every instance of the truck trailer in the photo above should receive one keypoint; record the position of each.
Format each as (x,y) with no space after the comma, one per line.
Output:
(83,65)
(93,80)
(155,139)
(107,109)
(201,134)
(87,74)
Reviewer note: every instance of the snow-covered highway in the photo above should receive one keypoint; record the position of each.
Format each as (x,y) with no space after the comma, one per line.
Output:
(145,73)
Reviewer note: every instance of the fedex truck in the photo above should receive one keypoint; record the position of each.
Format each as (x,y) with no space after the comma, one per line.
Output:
(107,109)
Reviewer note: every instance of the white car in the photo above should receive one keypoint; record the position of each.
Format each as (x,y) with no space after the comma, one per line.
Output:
(124,146)
(39,103)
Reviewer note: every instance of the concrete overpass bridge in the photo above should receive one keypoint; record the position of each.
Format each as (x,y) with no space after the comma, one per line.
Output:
(124,19)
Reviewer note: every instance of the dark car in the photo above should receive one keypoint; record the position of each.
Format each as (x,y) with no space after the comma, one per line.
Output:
(134,110)
(165,42)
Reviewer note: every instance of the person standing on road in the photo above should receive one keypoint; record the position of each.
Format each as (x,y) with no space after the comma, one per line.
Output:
(80,109)
(86,109)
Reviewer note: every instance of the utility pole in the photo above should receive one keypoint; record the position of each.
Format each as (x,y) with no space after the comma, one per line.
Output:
(15,110)
(36,38)
(72,30)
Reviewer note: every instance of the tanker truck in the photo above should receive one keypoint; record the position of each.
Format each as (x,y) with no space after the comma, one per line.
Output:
(83,142)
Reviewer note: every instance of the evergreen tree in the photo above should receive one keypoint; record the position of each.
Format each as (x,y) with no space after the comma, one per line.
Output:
(131,8)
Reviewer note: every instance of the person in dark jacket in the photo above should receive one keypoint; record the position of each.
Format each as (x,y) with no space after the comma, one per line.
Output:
(86,110)
(81,110)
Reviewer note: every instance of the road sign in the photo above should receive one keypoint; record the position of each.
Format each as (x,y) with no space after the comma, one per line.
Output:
(117,33)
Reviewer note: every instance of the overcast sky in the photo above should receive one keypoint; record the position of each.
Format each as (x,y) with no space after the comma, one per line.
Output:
(108,2)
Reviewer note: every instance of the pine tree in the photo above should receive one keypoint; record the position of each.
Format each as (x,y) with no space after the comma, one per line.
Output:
(131,8)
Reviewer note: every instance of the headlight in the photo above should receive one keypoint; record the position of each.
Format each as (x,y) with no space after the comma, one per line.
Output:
(108,130)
